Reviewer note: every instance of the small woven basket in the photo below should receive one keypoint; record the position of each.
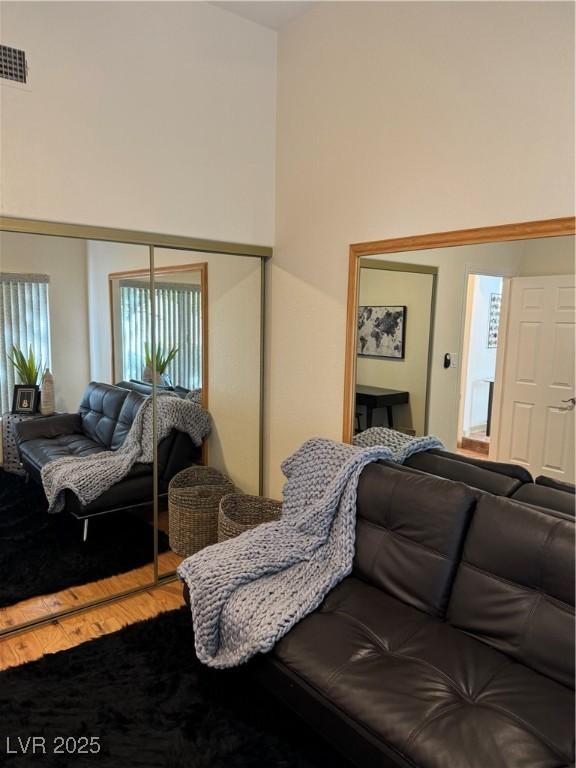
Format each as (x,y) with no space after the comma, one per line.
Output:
(240,512)
(193,502)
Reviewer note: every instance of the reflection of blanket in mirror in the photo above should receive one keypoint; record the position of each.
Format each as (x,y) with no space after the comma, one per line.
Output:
(246,593)
(90,476)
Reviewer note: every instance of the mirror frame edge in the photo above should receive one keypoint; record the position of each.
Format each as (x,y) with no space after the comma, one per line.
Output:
(528,230)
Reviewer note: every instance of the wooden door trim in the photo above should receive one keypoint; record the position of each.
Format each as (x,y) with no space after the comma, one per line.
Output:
(527,230)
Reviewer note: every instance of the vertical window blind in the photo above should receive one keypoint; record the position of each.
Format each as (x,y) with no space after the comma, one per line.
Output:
(24,322)
(178,324)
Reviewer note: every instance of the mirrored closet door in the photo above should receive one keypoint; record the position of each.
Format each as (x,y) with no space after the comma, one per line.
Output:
(129,363)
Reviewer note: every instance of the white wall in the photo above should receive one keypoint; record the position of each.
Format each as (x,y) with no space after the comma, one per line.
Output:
(157,116)
(234,314)
(401,119)
(553,256)
(414,291)
(64,260)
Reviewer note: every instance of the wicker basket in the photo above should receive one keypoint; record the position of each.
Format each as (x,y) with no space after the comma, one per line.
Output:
(193,501)
(240,512)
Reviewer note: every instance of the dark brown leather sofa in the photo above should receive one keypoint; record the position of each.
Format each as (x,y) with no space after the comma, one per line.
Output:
(451,645)
(499,478)
(104,419)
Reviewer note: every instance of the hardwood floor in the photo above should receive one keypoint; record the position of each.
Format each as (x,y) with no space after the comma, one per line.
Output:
(73,630)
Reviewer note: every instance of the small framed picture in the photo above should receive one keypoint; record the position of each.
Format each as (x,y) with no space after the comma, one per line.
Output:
(25,398)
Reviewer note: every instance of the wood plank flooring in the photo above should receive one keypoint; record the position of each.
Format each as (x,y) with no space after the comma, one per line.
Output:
(70,631)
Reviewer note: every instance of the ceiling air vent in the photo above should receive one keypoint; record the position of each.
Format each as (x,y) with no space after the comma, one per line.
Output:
(13,64)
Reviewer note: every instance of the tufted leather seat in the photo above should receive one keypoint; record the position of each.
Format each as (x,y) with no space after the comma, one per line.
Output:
(436,695)
(452,643)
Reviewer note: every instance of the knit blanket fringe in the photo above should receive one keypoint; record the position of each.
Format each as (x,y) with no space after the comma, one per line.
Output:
(90,476)
(248,592)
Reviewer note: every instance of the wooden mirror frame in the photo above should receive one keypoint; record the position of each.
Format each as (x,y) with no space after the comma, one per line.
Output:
(529,230)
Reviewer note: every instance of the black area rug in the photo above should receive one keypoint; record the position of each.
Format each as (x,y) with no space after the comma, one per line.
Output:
(150,704)
(41,553)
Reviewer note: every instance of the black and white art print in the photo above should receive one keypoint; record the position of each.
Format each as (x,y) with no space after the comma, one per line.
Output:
(382,332)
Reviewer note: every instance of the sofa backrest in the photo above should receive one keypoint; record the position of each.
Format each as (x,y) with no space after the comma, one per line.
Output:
(130,408)
(107,413)
(410,531)
(548,495)
(515,585)
(493,477)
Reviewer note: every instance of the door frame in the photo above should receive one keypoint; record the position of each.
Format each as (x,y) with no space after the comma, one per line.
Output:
(528,230)
(471,270)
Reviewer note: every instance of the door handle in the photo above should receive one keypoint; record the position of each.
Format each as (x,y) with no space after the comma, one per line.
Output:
(572,403)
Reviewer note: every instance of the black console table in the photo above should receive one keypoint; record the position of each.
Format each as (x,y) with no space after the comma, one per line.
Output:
(376,397)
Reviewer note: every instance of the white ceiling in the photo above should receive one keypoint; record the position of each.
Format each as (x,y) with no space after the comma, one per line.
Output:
(273,14)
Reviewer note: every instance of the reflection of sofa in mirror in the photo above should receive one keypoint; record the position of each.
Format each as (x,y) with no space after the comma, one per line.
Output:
(104,419)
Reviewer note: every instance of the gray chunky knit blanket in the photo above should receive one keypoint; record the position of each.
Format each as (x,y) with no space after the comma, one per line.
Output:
(90,476)
(246,593)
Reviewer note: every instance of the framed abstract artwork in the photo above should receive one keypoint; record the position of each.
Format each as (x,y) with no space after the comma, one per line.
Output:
(382,332)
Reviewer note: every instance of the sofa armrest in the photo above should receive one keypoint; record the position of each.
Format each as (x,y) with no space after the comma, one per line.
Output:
(48,427)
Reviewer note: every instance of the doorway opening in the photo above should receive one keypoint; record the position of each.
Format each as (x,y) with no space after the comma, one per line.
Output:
(478,372)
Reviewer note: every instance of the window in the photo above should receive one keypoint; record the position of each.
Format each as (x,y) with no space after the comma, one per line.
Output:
(24,322)
(178,324)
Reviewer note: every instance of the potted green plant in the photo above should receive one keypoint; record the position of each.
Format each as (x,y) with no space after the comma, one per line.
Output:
(29,370)
(158,362)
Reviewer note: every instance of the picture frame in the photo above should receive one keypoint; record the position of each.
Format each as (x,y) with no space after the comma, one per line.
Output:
(382,331)
(26,398)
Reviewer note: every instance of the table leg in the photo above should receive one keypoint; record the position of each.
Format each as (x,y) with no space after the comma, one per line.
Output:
(390,417)
(490,399)
(369,412)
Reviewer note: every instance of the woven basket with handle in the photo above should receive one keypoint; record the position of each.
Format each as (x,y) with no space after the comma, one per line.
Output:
(240,512)
(193,502)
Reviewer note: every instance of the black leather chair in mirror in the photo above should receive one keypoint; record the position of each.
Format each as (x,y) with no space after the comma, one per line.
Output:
(104,419)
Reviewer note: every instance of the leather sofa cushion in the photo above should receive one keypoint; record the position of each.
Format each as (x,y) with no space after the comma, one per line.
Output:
(546,497)
(515,585)
(559,485)
(499,467)
(100,408)
(48,427)
(409,534)
(480,475)
(40,452)
(130,408)
(437,696)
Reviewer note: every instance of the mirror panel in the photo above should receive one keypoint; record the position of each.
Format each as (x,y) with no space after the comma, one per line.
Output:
(54,297)
(229,332)
(500,374)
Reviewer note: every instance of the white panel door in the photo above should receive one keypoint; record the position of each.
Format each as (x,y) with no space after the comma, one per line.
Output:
(536,423)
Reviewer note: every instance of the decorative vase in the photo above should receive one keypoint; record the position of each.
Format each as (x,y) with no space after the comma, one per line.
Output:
(162,379)
(47,391)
